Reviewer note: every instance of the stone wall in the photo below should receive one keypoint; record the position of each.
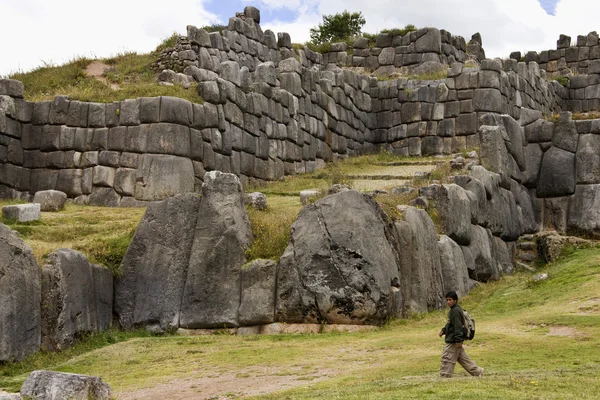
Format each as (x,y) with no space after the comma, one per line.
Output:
(580,63)
(259,125)
(392,51)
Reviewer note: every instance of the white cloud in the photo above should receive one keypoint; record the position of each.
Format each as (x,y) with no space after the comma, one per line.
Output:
(36,31)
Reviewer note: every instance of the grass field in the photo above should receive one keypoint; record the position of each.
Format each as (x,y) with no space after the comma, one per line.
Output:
(536,340)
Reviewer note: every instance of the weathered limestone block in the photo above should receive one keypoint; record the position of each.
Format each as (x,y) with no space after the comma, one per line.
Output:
(479,258)
(104,176)
(454,269)
(339,266)
(257,302)
(176,110)
(50,200)
(20,290)
(11,87)
(454,209)
(125,181)
(565,133)
(149,290)
(211,296)
(161,176)
(50,385)
(494,155)
(104,196)
(488,100)
(169,138)
(429,42)
(587,159)
(22,212)
(584,211)
(72,298)
(419,261)
(256,200)
(557,174)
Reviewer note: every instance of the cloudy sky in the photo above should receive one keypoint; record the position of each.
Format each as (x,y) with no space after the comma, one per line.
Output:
(51,32)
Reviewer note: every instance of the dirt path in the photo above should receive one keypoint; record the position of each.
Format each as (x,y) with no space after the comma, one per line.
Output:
(225,386)
(96,69)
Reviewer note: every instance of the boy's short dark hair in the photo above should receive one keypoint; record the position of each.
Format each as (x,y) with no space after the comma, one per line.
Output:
(452,295)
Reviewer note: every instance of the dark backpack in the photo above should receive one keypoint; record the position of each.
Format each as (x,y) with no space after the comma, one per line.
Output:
(468,326)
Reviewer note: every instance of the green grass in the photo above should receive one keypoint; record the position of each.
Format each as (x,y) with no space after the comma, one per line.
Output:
(516,342)
(130,71)
(101,233)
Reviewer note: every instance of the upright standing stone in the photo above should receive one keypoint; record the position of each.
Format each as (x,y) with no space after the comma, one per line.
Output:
(211,296)
(149,290)
(19,298)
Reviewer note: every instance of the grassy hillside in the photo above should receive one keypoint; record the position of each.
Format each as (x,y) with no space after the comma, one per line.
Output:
(129,75)
(535,340)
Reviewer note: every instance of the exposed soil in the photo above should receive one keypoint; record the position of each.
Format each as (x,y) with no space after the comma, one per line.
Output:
(225,386)
(96,69)
(564,331)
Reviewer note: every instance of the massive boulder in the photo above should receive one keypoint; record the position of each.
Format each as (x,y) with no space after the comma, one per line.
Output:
(257,303)
(419,263)
(149,289)
(454,269)
(19,298)
(454,210)
(584,211)
(76,298)
(51,385)
(211,296)
(340,265)
(479,256)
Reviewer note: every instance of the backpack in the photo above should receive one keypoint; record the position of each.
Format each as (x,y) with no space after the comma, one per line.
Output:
(468,326)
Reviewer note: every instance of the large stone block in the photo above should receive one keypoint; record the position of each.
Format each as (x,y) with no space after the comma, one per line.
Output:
(50,200)
(156,262)
(161,176)
(59,385)
(176,110)
(488,100)
(557,174)
(211,296)
(479,257)
(358,278)
(168,138)
(71,297)
(455,273)
(257,303)
(429,42)
(584,211)
(419,261)
(20,296)
(22,212)
(587,159)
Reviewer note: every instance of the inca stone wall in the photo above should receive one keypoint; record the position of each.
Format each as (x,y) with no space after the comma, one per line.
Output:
(268,112)
(580,62)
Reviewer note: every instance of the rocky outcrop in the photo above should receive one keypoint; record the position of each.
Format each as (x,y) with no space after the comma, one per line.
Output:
(77,298)
(455,273)
(211,295)
(20,294)
(341,265)
(183,267)
(51,385)
(149,290)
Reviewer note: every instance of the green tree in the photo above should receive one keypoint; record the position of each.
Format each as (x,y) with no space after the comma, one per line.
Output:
(337,27)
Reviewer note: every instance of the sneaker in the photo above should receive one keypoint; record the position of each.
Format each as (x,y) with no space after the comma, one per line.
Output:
(480,374)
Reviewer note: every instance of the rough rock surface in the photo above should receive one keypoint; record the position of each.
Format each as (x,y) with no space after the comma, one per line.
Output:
(77,298)
(51,385)
(454,269)
(148,293)
(420,269)
(257,200)
(20,295)
(50,200)
(211,295)
(257,303)
(339,266)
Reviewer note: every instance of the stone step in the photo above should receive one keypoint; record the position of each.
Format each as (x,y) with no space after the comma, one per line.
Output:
(527,245)
(527,257)
(525,266)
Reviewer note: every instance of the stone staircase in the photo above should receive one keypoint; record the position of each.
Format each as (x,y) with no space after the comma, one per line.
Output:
(526,254)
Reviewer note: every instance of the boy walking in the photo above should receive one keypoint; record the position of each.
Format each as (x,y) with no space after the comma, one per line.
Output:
(454,351)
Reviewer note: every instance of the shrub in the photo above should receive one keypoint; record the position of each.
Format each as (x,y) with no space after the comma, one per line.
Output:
(214,28)
(338,27)
(168,42)
(563,80)
(400,31)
